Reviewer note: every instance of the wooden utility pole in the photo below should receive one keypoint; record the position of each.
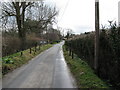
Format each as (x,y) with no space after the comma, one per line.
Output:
(96,34)
(119,14)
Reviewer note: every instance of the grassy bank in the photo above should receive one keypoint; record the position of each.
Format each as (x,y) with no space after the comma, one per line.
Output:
(83,74)
(9,63)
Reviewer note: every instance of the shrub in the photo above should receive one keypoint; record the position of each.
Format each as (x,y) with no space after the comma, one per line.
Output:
(109,49)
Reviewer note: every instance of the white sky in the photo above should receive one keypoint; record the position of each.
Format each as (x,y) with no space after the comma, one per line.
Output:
(79,14)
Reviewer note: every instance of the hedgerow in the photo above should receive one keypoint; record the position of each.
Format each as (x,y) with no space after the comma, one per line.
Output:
(109,53)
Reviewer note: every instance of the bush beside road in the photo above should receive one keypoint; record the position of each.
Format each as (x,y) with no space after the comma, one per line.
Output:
(82,72)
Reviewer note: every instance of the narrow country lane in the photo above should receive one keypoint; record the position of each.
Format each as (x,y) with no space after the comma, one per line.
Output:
(47,70)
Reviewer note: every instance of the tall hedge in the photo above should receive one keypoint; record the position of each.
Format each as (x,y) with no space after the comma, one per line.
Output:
(109,53)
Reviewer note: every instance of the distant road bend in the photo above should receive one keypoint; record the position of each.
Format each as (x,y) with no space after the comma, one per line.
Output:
(47,70)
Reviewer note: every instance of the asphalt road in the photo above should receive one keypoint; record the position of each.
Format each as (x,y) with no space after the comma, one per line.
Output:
(47,70)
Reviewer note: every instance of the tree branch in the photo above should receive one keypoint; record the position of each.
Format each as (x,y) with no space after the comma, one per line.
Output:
(29,3)
(9,13)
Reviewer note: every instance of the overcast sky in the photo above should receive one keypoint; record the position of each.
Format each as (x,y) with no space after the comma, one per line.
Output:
(79,15)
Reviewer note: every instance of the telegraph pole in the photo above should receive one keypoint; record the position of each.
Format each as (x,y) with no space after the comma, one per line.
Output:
(96,35)
(119,14)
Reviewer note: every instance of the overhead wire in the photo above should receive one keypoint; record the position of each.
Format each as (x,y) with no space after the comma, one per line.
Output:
(65,9)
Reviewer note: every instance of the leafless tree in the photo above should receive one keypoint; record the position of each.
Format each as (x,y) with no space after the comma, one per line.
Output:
(41,17)
(45,14)
(17,10)
(38,11)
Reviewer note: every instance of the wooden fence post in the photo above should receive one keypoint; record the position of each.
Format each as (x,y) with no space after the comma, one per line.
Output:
(35,48)
(72,55)
(30,51)
(39,46)
(21,53)
(70,49)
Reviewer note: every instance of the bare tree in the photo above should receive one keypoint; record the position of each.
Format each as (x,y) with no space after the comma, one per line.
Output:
(16,9)
(42,16)
(69,33)
(45,15)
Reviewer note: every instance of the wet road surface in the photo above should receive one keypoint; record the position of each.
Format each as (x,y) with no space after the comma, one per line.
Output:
(47,70)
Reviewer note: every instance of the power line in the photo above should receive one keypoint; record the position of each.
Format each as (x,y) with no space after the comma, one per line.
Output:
(65,9)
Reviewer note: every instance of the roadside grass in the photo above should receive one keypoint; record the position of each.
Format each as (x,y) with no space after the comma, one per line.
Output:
(0,68)
(83,74)
(11,62)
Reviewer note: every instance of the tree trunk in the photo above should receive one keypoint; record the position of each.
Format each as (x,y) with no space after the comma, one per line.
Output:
(20,24)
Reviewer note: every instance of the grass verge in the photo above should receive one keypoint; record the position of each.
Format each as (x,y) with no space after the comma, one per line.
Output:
(9,63)
(84,75)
